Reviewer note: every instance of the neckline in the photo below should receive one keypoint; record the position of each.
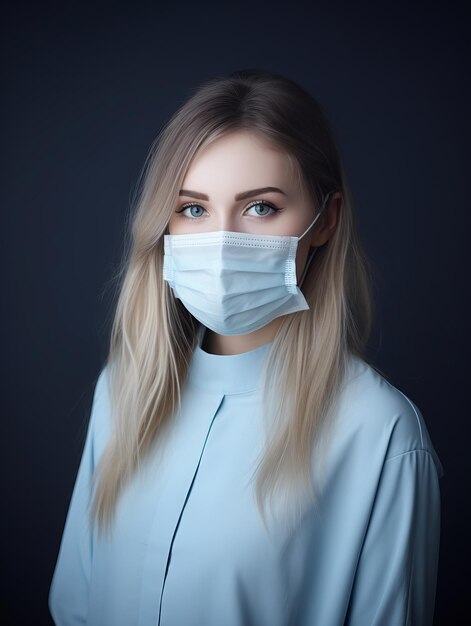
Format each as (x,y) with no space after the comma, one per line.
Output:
(227,373)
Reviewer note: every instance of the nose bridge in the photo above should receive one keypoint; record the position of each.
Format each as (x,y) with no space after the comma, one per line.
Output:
(225,219)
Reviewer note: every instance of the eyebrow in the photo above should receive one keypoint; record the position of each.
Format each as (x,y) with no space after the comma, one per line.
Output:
(239,196)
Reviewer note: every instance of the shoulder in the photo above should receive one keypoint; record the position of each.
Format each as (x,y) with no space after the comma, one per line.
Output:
(378,418)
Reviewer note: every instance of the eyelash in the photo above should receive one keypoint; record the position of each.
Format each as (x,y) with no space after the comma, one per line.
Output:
(251,204)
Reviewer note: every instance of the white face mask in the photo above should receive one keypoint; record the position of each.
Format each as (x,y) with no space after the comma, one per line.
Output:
(234,283)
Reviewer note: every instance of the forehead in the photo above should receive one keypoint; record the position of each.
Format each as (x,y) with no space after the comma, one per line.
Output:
(240,158)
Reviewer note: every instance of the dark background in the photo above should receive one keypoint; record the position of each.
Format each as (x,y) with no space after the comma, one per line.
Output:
(86,90)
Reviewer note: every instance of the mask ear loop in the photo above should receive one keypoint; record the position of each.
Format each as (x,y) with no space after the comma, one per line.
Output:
(314,248)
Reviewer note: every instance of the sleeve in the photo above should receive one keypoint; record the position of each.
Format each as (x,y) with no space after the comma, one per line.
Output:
(395,580)
(68,594)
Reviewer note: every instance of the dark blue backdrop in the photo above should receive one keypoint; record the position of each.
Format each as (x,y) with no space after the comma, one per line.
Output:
(85,92)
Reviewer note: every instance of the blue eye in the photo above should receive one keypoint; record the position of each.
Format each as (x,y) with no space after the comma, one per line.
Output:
(261,209)
(192,210)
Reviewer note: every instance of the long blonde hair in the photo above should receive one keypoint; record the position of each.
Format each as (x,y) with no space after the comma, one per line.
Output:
(153,335)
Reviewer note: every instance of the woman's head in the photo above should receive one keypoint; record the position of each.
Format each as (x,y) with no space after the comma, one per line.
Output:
(235,133)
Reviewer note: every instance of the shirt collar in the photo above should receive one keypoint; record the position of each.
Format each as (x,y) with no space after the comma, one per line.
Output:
(227,373)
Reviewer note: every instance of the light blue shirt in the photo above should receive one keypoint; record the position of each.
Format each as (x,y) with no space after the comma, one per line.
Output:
(189,548)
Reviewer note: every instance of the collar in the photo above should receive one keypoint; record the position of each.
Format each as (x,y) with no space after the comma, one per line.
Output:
(227,373)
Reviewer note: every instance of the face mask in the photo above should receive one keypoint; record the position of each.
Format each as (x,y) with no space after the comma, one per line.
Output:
(235,283)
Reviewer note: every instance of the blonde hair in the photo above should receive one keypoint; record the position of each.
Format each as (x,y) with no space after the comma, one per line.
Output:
(153,335)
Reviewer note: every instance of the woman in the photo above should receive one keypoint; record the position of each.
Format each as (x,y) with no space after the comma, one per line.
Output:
(244,463)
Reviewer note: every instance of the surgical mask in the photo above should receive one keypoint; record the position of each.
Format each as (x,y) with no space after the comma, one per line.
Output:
(235,283)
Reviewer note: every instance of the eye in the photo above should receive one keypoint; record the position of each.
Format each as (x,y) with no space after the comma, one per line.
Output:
(260,208)
(192,210)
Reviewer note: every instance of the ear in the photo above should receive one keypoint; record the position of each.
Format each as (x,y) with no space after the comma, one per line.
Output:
(327,222)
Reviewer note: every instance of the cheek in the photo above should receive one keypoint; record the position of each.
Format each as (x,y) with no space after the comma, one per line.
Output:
(172,226)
